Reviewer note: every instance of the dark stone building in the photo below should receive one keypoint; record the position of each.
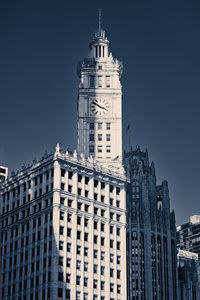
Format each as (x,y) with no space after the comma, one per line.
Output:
(188,275)
(151,232)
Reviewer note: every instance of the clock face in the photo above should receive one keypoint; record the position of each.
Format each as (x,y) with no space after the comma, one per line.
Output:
(99,107)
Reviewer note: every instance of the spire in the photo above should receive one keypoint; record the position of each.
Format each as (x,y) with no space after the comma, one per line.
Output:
(99,19)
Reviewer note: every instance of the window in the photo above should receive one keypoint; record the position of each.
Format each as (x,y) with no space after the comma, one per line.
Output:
(85,266)
(111,258)
(62,215)
(91,149)
(95,269)
(118,231)
(118,274)
(102,270)
(108,137)
(112,287)
(68,263)
(95,239)
(60,261)
(78,264)
(91,126)
(68,278)
(69,218)
(111,201)
(102,285)
(99,126)
(70,175)
(107,126)
(95,253)
(86,222)
(62,186)
(70,202)
(111,188)
(85,251)
(95,225)
(78,235)
(102,198)
(60,292)
(86,237)
(63,172)
(91,137)
(118,245)
(62,200)
(78,249)
(102,255)
(108,149)
(111,272)
(102,226)
(117,190)
(92,81)
(99,149)
(61,230)
(69,246)
(95,284)
(85,281)
(78,220)
(78,295)
(118,259)
(79,177)
(60,276)
(78,280)
(111,243)
(99,81)
(107,80)
(99,137)
(95,210)
(111,229)
(69,232)
(118,289)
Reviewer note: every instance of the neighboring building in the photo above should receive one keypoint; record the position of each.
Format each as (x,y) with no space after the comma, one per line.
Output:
(188,275)
(100,104)
(3,174)
(151,233)
(188,235)
(62,230)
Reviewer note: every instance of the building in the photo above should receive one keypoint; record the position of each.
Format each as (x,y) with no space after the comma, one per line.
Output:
(151,232)
(188,235)
(100,103)
(63,219)
(63,231)
(188,275)
(3,173)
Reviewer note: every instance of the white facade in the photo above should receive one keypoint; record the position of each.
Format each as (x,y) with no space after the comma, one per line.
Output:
(100,104)
(63,231)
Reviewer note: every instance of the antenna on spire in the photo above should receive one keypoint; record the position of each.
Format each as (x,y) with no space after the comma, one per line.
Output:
(99,19)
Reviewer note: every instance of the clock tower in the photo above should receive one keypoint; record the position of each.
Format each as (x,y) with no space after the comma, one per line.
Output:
(100,104)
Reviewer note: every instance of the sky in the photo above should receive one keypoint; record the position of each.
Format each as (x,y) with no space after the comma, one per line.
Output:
(41,43)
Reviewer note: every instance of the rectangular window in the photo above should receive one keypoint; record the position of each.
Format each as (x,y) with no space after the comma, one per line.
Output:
(99,81)
(108,137)
(107,126)
(99,126)
(108,149)
(108,81)
(92,81)
(99,149)
(91,126)
(91,149)
(99,137)
(91,137)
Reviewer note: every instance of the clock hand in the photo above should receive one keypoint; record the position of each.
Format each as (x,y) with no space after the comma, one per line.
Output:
(100,106)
